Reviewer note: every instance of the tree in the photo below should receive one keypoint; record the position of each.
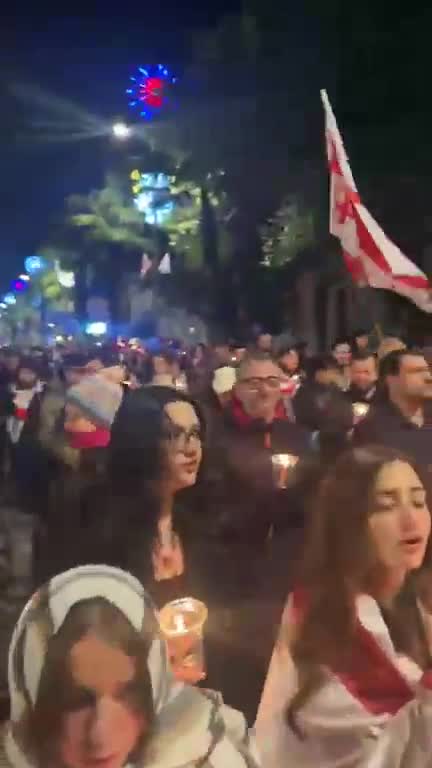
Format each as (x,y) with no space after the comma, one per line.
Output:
(113,235)
(286,234)
(108,217)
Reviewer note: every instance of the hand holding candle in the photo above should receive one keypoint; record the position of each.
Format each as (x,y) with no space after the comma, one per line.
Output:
(360,410)
(182,624)
(283,464)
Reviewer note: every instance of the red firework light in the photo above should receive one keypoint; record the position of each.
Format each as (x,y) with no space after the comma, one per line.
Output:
(151,92)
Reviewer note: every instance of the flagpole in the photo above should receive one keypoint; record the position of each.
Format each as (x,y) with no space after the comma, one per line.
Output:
(379,332)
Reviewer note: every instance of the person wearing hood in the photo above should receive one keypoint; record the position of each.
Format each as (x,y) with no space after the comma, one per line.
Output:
(72,507)
(90,685)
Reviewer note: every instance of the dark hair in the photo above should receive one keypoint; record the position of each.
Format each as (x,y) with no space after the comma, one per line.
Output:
(29,364)
(362,355)
(107,356)
(321,363)
(390,364)
(360,332)
(169,355)
(54,695)
(341,340)
(135,466)
(338,564)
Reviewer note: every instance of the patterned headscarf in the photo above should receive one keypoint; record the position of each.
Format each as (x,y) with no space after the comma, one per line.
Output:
(193,728)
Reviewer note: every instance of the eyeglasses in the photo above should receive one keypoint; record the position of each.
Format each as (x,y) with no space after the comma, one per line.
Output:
(256,383)
(179,437)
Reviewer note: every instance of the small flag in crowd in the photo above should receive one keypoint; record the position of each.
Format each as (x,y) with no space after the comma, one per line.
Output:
(146,264)
(371,258)
(165,265)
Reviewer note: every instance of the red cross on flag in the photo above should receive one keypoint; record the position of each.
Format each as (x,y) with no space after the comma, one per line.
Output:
(371,258)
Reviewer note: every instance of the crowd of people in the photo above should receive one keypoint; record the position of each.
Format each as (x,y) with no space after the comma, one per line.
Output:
(287,493)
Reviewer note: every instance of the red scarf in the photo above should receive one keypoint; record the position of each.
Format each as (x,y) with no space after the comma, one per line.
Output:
(100,438)
(243,420)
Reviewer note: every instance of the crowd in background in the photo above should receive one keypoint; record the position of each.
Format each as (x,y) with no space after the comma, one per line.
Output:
(239,476)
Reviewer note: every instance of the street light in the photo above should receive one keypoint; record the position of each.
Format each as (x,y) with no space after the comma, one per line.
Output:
(121,131)
(25,278)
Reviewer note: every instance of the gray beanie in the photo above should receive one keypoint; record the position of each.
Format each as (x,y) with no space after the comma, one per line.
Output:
(98,398)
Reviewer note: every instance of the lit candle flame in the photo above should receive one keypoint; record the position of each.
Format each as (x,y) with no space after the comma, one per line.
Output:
(360,410)
(285,460)
(179,622)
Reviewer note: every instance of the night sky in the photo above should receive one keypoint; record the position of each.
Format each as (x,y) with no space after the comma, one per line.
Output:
(86,58)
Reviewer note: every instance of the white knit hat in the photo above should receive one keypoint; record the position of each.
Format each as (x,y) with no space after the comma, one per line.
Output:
(98,398)
(224,379)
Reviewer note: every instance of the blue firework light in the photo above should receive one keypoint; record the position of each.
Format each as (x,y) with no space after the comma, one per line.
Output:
(150,90)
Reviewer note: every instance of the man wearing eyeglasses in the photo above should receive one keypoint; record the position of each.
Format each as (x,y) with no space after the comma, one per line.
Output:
(253,522)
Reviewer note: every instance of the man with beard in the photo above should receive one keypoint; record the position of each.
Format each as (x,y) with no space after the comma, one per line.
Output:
(400,419)
(364,376)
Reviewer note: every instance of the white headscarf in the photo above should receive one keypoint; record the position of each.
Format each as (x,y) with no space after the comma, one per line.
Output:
(192,727)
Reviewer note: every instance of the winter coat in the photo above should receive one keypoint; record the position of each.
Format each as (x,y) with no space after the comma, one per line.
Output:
(51,433)
(192,728)
(71,514)
(243,504)
(324,410)
(378,715)
(386,425)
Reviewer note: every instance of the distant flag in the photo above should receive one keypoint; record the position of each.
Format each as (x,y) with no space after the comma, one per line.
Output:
(165,265)
(371,258)
(146,264)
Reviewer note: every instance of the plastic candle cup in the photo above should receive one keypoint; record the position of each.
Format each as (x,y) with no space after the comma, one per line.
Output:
(182,626)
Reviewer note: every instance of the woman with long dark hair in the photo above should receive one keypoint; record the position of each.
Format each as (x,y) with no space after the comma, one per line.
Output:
(349,683)
(154,458)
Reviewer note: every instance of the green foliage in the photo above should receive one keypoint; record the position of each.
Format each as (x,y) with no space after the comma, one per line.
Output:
(108,216)
(289,232)
(184,224)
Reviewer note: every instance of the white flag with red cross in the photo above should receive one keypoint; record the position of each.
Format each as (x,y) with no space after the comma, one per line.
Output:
(371,258)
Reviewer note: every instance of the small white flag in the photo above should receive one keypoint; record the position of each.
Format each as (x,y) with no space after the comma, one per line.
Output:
(165,265)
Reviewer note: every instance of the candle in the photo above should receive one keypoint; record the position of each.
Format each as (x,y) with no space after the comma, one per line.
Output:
(282,464)
(359,411)
(182,624)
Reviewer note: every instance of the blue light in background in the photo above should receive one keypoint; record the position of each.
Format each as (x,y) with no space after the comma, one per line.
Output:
(96,329)
(34,264)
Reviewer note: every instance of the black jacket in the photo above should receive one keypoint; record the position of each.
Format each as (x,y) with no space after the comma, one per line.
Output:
(386,425)
(356,395)
(243,509)
(326,410)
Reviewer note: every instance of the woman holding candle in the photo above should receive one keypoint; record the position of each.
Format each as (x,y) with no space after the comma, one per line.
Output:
(350,679)
(90,686)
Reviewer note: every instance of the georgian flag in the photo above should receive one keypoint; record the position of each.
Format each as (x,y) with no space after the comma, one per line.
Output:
(371,258)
